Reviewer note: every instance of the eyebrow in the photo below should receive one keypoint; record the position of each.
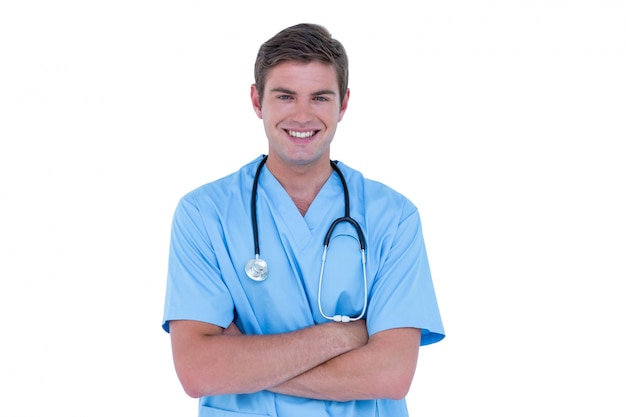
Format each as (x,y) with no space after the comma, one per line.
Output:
(287,91)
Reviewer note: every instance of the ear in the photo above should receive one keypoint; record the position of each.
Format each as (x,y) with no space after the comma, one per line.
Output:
(256,104)
(344,105)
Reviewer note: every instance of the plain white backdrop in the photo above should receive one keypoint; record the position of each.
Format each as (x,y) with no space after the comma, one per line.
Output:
(504,121)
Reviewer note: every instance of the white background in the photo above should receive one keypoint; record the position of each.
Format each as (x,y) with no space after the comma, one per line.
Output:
(504,121)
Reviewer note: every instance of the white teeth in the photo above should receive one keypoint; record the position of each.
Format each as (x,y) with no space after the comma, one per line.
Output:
(301,134)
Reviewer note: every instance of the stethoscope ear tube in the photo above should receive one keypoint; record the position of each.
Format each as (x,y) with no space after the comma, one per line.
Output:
(339,317)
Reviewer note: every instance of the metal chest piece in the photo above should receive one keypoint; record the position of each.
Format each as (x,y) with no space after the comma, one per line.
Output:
(256,269)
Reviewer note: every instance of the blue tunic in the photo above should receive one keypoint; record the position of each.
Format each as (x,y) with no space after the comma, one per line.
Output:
(212,241)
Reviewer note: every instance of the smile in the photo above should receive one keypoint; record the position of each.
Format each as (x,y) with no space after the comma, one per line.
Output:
(301,135)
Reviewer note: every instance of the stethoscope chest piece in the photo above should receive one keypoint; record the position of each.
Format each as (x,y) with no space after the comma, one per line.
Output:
(256,269)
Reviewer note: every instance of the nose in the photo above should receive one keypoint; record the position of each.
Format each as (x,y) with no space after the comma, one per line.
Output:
(302,111)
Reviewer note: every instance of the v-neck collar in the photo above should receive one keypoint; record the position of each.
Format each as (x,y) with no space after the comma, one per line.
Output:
(327,205)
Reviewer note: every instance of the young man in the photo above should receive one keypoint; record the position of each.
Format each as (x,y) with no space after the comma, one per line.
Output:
(335,327)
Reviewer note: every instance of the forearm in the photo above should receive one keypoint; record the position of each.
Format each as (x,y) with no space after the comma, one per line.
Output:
(383,368)
(212,364)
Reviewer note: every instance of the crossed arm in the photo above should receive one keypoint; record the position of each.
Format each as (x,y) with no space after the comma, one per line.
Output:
(330,361)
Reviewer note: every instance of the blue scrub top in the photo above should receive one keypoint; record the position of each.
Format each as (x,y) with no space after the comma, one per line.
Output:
(212,240)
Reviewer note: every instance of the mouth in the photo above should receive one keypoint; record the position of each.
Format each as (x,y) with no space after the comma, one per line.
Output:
(301,134)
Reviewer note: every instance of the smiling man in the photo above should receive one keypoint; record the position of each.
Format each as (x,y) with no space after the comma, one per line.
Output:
(327,317)
(300,113)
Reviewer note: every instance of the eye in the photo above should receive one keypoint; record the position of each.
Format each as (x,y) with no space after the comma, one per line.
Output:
(284,97)
(320,98)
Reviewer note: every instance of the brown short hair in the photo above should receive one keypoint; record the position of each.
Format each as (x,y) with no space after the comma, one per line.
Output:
(304,43)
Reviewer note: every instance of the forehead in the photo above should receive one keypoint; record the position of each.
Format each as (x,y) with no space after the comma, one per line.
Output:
(302,77)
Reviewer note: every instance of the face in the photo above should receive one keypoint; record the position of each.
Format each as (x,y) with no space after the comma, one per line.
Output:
(300,111)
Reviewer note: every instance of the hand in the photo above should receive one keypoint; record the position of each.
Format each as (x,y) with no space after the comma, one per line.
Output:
(356,332)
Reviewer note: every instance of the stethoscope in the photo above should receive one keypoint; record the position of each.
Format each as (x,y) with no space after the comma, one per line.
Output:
(257,270)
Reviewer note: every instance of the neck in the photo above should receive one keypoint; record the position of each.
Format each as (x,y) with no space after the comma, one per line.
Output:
(302,183)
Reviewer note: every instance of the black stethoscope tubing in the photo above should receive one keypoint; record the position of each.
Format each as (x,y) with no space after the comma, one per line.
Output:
(255,227)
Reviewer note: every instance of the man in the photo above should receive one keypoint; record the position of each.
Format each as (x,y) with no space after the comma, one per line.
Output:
(335,327)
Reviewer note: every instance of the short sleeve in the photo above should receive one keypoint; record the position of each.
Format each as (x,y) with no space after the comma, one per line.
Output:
(195,289)
(403,294)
